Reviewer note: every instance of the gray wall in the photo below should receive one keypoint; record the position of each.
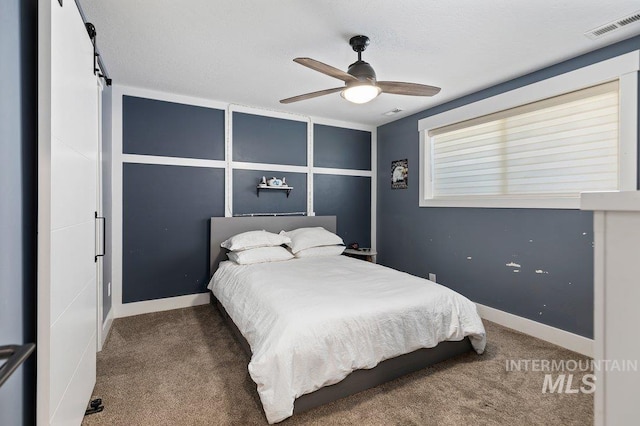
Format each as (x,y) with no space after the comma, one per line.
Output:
(337,147)
(166,208)
(166,229)
(347,197)
(469,248)
(152,127)
(246,199)
(18,121)
(259,139)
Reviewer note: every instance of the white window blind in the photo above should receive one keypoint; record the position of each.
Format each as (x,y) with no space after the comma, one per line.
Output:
(558,146)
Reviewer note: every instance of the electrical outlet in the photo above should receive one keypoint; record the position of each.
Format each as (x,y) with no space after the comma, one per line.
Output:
(432,277)
(109,289)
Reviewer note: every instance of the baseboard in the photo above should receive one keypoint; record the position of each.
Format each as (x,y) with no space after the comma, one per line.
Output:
(565,339)
(106,327)
(158,305)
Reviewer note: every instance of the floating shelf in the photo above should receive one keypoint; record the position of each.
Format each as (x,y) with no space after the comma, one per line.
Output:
(278,188)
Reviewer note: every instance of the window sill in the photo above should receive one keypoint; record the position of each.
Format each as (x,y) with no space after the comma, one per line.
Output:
(572,202)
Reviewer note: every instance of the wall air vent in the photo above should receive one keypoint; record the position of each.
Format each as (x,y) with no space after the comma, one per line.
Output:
(610,27)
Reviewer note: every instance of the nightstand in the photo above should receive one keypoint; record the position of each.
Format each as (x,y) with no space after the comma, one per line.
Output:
(361,253)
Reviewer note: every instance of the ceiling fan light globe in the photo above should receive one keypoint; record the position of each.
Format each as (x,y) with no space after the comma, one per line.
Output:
(361,94)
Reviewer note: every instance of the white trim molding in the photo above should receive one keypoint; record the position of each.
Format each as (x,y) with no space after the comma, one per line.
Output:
(343,124)
(628,156)
(159,305)
(120,309)
(374,190)
(565,339)
(341,172)
(241,165)
(611,201)
(623,68)
(169,97)
(106,329)
(263,112)
(228,159)
(172,161)
(117,92)
(310,142)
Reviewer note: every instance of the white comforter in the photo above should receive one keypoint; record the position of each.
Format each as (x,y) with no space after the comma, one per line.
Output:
(312,321)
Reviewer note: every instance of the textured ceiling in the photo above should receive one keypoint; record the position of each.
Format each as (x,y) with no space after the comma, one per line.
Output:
(241,51)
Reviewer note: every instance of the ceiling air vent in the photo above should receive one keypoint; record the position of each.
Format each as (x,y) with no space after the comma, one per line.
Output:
(393,111)
(613,26)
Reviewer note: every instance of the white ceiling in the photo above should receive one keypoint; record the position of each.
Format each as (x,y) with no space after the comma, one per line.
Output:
(241,51)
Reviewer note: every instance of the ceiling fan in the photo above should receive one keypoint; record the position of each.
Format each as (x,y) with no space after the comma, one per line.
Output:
(360,81)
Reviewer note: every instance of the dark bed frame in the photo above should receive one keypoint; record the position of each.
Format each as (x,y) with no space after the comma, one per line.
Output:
(359,380)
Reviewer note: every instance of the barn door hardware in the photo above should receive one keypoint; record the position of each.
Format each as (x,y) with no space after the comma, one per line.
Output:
(95,406)
(98,66)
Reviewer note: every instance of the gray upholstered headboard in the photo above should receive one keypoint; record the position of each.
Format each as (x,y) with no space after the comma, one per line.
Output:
(225,227)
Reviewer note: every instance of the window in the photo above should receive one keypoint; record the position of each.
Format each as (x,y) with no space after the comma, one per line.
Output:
(536,154)
(561,145)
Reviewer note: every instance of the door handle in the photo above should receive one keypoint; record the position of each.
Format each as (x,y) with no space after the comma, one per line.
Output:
(16,355)
(104,247)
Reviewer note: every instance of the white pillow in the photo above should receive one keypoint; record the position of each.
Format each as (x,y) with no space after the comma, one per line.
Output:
(253,239)
(321,251)
(304,238)
(260,255)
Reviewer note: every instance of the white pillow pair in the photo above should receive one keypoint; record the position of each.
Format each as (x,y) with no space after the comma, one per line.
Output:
(254,239)
(334,250)
(278,254)
(306,238)
(262,246)
(257,247)
(260,255)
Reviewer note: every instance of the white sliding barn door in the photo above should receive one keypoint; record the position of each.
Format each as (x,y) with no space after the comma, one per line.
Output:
(67,278)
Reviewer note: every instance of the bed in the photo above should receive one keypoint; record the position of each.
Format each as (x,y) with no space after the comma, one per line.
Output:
(319,329)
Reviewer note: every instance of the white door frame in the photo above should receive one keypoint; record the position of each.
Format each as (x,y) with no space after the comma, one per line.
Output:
(100,225)
(44,209)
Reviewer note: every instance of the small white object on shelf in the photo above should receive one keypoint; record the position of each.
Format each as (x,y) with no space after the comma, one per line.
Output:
(273,183)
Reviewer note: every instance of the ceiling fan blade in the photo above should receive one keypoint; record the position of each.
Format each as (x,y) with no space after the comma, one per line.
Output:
(325,69)
(411,89)
(310,95)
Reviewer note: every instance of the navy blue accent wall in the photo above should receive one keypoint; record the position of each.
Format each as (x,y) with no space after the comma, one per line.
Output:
(18,195)
(246,200)
(337,147)
(166,211)
(153,127)
(349,198)
(260,139)
(470,250)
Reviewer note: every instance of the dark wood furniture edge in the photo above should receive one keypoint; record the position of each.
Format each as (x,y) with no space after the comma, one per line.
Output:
(361,380)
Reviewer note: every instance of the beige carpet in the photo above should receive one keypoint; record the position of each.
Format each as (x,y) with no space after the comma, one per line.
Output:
(183,367)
